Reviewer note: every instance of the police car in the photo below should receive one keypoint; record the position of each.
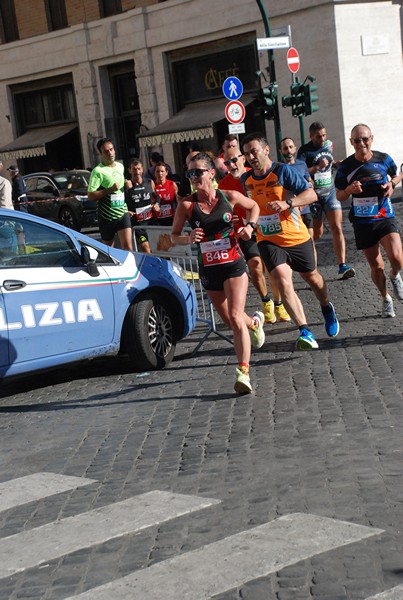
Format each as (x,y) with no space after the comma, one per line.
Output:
(66,297)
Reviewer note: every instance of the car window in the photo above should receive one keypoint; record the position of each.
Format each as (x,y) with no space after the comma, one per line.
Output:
(45,186)
(30,184)
(25,244)
(69,181)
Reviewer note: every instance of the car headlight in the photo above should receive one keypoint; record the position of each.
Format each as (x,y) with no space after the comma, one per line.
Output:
(82,198)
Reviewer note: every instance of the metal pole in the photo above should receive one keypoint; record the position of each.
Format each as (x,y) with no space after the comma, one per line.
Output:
(272,72)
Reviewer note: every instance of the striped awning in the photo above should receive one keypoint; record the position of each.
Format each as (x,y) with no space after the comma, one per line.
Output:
(194,122)
(33,142)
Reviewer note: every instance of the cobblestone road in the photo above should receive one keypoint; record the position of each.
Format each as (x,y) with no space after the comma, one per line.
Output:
(321,436)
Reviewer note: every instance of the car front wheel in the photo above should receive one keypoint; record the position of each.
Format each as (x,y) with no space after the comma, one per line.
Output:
(149,334)
(68,218)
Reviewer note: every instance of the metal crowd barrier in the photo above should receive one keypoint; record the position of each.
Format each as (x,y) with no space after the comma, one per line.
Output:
(159,238)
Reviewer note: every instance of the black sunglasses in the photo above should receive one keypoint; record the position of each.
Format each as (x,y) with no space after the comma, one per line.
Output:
(195,172)
(233,160)
(361,139)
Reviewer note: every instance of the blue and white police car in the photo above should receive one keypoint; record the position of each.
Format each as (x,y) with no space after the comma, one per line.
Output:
(66,297)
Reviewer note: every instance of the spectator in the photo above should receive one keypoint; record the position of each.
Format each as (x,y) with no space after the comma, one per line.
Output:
(19,193)
(155,158)
(5,193)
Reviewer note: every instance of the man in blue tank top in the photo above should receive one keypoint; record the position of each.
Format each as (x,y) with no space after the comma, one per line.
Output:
(370,177)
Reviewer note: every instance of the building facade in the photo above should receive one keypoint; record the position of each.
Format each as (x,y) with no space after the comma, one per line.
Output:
(149,74)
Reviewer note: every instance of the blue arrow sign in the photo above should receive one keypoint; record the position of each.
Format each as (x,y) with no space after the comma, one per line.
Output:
(232,88)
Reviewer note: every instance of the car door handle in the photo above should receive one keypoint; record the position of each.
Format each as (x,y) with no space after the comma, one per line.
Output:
(13,284)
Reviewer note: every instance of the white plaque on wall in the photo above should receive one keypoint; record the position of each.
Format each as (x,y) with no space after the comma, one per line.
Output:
(374,44)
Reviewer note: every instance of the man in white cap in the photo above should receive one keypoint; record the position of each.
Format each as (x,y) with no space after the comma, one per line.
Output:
(19,195)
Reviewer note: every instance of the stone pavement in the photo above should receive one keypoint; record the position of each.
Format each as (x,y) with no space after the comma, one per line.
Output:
(321,436)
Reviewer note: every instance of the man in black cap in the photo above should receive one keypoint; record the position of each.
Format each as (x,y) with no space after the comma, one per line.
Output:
(19,192)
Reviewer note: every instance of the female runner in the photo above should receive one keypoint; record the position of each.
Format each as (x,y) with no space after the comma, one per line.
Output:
(167,191)
(222,267)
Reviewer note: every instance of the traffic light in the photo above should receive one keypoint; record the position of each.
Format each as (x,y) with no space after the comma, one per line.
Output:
(310,98)
(298,103)
(296,100)
(267,98)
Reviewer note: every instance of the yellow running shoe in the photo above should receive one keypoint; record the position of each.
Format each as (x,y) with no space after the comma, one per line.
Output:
(242,383)
(257,335)
(281,313)
(268,311)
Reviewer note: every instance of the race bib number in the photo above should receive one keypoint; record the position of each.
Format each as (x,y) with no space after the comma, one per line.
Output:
(166,211)
(270,225)
(217,252)
(365,207)
(322,179)
(144,213)
(117,200)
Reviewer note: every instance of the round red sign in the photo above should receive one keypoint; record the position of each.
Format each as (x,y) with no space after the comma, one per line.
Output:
(293,60)
(235,112)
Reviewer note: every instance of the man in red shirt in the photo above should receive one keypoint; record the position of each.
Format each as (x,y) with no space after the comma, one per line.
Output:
(234,160)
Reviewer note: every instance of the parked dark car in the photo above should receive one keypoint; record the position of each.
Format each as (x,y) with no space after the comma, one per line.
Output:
(62,197)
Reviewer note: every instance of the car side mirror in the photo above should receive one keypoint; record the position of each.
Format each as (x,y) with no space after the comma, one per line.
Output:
(88,258)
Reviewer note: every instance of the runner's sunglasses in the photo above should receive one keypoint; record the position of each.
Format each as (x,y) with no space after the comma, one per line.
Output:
(233,160)
(195,172)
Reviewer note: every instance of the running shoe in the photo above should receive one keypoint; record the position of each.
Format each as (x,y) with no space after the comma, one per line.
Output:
(257,334)
(331,323)
(387,307)
(306,340)
(345,272)
(281,313)
(242,383)
(397,286)
(268,311)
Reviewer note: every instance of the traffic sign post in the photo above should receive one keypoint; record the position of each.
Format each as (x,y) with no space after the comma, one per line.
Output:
(232,88)
(235,112)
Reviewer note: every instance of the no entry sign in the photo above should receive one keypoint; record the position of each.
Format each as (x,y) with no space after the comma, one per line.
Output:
(293,60)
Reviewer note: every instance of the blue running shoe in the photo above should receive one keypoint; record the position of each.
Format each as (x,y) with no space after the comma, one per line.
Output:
(331,323)
(306,340)
(345,272)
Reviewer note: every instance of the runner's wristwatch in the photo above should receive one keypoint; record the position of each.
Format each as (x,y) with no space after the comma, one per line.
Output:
(289,202)
(252,224)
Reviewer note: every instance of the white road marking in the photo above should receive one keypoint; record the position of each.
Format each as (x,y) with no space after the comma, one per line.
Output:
(395,593)
(37,486)
(231,562)
(32,548)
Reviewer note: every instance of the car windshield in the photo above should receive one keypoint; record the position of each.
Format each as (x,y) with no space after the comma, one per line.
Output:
(72,181)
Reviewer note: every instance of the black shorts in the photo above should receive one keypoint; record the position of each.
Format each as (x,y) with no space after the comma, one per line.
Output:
(212,278)
(108,229)
(369,234)
(141,235)
(249,248)
(301,257)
